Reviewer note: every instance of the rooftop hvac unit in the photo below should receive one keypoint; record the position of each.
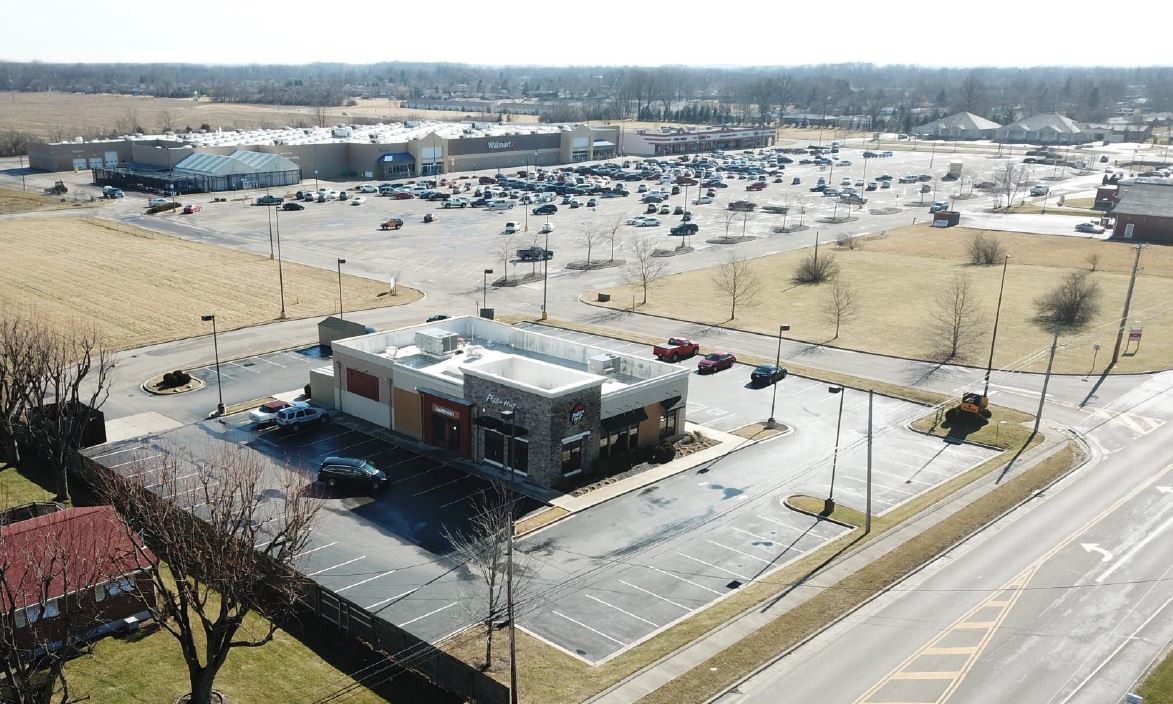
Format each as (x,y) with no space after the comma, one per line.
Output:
(437,342)
(602,364)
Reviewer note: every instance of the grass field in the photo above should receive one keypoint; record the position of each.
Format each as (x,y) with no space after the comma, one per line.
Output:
(66,270)
(1158,686)
(897,280)
(77,114)
(12,201)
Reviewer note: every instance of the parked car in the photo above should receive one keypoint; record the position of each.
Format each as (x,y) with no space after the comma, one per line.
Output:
(299,414)
(685,229)
(715,362)
(756,186)
(437,318)
(267,413)
(292,206)
(703,200)
(643,221)
(190,208)
(545,209)
(358,200)
(678,348)
(455,203)
(546,228)
(391,224)
(512,227)
(938,205)
(157,201)
(1090,228)
(402,195)
(767,374)
(339,471)
(367,188)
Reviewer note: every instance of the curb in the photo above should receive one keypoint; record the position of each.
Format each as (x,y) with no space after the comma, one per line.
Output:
(818,516)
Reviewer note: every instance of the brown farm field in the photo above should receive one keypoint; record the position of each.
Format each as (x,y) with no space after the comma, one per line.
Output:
(898,280)
(13,201)
(68,115)
(141,287)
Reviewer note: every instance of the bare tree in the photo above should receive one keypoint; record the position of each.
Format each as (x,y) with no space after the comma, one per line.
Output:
(841,304)
(849,242)
(504,251)
(1072,303)
(22,345)
(71,381)
(46,605)
(728,216)
(956,323)
(614,234)
(482,551)
(1093,261)
(227,530)
(646,268)
(985,251)
(736,278)
(166,121)
(1008,181)
(591,234)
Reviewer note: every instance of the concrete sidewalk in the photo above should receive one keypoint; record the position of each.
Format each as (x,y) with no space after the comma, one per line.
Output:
(675,664)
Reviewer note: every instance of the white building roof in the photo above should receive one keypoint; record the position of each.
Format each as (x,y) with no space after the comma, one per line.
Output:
(958,121)
(1045,122)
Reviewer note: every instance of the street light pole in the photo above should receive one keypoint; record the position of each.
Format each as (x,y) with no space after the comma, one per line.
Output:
(830,504)
(280,268)
(867,521)
(1127,302)
(216,349)
(507,415)
(994,336)
(545,268)
(340,263)
(770,423)
(269,212)
(1046,381)
(485,288)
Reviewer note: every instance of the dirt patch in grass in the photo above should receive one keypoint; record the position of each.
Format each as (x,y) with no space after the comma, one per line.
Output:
(13,201)
(730,665)
(898,278)
(84,269)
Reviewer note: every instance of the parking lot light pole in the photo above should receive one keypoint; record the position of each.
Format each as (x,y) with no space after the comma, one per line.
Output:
(216,349)
(770,422)
(269,212)
(340,263)
(545,268)
(830,504)
(280,268)
(867,520)
(485,288)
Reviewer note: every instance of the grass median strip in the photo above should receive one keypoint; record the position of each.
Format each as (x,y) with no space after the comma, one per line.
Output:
(792,627)
(1157,688)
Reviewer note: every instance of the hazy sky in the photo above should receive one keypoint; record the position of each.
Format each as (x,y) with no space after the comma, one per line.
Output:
(644,32)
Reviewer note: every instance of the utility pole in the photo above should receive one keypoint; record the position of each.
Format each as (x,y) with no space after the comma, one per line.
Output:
(994,336)
(1127,303)
(867,521)
(1046,380)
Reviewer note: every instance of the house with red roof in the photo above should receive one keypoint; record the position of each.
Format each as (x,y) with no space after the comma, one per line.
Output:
(74,574)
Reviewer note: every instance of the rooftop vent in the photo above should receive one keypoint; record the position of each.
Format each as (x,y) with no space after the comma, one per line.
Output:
(602,364)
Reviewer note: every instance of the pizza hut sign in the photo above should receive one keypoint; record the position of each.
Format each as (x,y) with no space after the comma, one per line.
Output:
(577,413)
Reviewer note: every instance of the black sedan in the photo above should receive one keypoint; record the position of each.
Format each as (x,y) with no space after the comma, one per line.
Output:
(292,206)
(767,374)
(545,209)
(347,471)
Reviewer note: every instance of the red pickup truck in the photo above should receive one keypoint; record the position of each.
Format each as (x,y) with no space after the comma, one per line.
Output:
(678,348)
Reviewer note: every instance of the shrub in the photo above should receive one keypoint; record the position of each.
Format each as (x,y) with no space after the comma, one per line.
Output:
(181,377)
(846,241)
(985,251)
(664,452)
(815,271)
(163,208)
(306,390)
(1071,304)
(168,380)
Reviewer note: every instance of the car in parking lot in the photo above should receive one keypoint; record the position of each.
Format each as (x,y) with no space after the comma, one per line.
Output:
(358,200)
(292,206)
(703,200)
(1090,228)
(545,209)
(715,362)
(367,188)
(157,202)
(455,203)
(685,229)
(767,374)
(391,224)
(402,195)
(349,471)
(437,317)
(267,200)
(190,208)
(267,412)
(643,221)
(938,206)
(546,228)
(298,415)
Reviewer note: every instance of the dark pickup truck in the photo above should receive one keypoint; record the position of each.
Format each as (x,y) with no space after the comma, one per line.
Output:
(535,254)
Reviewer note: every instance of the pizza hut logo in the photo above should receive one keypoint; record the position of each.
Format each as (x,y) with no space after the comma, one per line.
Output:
(577,413)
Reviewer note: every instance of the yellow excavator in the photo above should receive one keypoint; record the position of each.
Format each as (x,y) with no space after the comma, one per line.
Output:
(973,406)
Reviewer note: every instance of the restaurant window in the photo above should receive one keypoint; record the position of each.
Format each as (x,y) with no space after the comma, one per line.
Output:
(362,384)
(571,457)
(495,451)
(668,424)
(619,441)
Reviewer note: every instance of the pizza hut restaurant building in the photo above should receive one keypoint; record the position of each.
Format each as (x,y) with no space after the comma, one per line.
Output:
(544,406)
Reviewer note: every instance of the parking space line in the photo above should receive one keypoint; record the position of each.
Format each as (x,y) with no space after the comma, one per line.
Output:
(438,486)
(592,630)
(249,369)
(716,567)
(755,536)
(119,451)
(746,554)
(412,476)
(653,594)
(269,361)
(332,567)
(682,579)
(137,459)
(315,442)
(417,618)
(320,547)
(377,604)
(462,498)
(628,613)
(368,579)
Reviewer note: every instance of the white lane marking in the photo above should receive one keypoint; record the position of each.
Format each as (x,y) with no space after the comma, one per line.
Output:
(368,579)
(377,604)
(266,359)
(716,567)
(1135,549)
(334,567)
(682,579)
(118,452)
(137,459)
(755,536)
(653,594)
(592,630)
(439,486)
(320,547)
(418,618)
(637,618)
(746,554)
(247,369)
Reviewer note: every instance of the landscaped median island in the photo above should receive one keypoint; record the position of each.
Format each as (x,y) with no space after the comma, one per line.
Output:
(548,675)
(899,283)
(114,269)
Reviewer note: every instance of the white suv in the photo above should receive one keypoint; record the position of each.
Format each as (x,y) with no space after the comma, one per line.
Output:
(299,414)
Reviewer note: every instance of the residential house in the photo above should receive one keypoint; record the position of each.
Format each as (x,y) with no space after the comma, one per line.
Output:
(961,125)
(1045,128)
(1144,210)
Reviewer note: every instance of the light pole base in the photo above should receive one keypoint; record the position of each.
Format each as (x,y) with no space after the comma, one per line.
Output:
(771,423)
(543,316)
(828,506)
(219,409)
